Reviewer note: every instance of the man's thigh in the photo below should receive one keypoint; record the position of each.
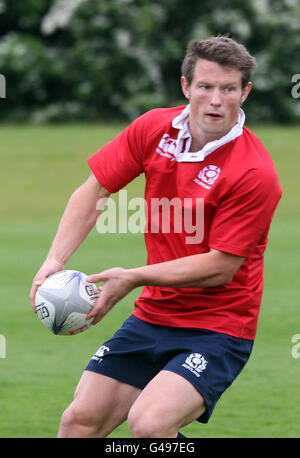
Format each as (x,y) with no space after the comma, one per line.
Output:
(167,403)
(102,401)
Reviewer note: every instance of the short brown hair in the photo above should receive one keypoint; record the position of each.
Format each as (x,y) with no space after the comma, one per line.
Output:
(222,50)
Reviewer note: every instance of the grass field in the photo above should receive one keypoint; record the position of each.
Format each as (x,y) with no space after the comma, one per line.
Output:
(40,167)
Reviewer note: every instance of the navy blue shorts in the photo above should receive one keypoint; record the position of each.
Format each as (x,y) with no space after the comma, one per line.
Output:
(138,351)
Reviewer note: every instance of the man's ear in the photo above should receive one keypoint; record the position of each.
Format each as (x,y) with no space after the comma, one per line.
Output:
(185,87)
(246,91)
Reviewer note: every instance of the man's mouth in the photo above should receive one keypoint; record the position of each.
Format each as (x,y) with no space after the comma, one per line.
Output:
(214,115)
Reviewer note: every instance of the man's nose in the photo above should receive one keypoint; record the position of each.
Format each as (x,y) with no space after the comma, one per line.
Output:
(216,98)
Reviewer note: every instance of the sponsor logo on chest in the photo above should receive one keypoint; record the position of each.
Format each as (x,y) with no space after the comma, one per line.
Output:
(167,147)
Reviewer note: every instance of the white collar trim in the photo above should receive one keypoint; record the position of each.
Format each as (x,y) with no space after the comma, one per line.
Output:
(184,139)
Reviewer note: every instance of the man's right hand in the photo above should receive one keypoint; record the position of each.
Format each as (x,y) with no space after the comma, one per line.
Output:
(79,217)
(48,268)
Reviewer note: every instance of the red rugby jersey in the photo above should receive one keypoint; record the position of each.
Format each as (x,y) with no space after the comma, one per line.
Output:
(235,189)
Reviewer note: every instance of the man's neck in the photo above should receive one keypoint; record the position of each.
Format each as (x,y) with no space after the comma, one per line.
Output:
(200,138)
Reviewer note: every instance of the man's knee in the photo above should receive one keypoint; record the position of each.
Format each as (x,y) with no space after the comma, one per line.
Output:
(148,424)
(78,422)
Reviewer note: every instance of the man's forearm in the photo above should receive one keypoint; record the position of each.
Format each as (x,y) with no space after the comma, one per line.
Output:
(77,221)
(204,270)
(214,268)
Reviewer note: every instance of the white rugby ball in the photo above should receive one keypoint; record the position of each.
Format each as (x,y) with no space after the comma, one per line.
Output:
(64,300)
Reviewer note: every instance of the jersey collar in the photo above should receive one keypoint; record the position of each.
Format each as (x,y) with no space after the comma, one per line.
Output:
(184,138)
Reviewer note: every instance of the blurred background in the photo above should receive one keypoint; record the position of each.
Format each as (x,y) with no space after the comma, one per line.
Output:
(76,72)
(86,60)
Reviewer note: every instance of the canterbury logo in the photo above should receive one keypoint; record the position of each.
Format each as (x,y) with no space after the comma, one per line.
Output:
(167,147)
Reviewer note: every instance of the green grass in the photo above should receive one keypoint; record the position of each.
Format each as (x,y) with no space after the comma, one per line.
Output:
(40,168)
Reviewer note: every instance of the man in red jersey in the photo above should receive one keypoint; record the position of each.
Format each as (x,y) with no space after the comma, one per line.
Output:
(195,321)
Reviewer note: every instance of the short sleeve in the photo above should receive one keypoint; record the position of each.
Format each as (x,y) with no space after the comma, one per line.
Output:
(243,217)
(121,160)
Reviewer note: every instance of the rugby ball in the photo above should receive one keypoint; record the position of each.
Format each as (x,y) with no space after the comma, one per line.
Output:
(64,300)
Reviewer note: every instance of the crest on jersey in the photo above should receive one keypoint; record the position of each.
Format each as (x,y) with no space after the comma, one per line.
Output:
(208,176)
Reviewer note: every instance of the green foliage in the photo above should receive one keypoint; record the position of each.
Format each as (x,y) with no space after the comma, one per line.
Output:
(88,60)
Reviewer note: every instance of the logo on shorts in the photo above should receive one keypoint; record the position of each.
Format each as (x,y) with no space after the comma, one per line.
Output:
(195,363)
(208,176)
(98,356)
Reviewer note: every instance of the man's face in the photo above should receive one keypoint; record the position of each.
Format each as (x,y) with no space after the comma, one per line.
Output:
(215,95)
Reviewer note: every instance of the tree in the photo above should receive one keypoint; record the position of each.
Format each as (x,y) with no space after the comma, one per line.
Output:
(89,59)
